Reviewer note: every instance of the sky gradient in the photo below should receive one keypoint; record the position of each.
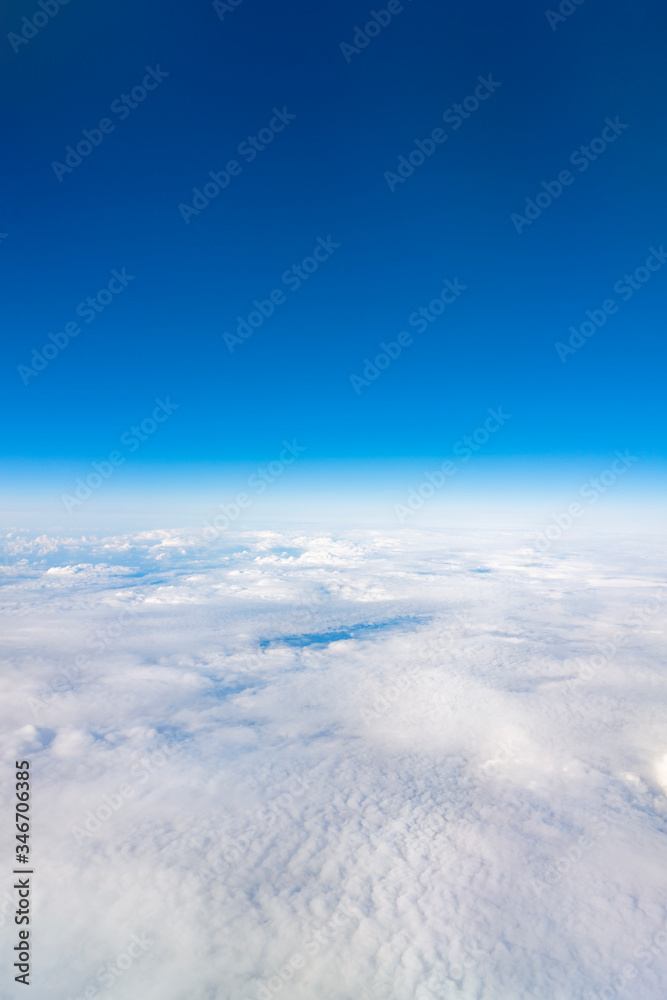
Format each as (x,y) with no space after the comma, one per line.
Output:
(314,210)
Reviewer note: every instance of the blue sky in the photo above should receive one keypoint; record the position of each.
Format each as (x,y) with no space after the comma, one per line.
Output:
(327,180)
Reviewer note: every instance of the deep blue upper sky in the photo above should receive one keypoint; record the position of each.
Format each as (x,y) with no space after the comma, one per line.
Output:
(323,176)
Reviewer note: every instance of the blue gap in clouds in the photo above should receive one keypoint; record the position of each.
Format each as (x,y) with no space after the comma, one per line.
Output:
(350,632)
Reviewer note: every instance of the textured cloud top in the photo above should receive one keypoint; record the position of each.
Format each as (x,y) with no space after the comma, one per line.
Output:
(397,765)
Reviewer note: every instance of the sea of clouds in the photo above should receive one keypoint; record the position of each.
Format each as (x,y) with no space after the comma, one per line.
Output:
(297,763)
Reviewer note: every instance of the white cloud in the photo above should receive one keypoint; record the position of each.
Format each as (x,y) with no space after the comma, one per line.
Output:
(402,800)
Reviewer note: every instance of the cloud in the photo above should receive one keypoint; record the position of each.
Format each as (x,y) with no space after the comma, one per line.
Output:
(338,764)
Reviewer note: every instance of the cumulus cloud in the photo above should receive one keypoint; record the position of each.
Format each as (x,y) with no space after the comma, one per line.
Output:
(396,765)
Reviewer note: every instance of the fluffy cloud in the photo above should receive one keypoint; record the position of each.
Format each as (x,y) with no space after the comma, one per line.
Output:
(393,765)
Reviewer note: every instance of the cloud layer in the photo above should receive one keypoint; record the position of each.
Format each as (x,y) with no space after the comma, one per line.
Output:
(388,764)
